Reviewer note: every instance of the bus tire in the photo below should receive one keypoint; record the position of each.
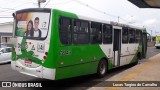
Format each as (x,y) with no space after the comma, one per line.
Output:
(102,68)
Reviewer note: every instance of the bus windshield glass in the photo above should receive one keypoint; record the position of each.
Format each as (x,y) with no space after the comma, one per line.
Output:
(32,25)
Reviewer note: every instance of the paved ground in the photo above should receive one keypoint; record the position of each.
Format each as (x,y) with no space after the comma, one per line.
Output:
(143,71)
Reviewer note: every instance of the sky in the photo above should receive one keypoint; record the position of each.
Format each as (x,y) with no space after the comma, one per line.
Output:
(108,10)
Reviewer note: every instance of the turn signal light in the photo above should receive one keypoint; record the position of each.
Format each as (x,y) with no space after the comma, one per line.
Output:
(44,57)
(15,50)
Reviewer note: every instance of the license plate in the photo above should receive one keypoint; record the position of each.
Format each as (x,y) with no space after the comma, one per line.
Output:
(28,61)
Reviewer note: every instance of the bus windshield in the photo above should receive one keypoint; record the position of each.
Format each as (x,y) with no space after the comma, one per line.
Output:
(32,25)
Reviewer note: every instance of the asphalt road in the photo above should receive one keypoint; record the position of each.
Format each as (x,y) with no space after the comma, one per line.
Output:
(78,83)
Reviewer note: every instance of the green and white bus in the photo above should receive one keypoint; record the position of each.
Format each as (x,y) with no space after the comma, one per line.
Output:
(157,44)
(67,45)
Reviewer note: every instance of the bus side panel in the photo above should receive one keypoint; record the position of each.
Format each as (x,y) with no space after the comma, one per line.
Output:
(139,50)
(124,54)
(81,60)
(76,70)
(129,53)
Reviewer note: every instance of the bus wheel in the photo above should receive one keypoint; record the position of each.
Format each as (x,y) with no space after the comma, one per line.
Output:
(102,68)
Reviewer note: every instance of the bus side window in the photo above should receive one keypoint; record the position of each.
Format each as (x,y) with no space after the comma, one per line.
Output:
(77,26)
(96,33)
(81,32)
(131,36)
(107,34)
(124,35)
(65,30)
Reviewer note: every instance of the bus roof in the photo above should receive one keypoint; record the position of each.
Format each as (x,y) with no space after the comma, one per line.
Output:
(105,21)
(33,10)
(82,17)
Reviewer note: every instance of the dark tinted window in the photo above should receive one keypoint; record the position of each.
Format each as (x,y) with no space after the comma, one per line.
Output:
(107,34)
(96,33)
(131,35)
(65,30)
(8,49)
(81,32)
(124,35)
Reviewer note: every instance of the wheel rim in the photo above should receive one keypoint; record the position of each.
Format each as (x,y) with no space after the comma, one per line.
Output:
(102,68)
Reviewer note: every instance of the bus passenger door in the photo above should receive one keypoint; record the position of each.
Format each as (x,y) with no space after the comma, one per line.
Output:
(117,46)
(144,45)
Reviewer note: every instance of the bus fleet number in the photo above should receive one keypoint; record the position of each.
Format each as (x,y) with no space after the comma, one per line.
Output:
(65,52)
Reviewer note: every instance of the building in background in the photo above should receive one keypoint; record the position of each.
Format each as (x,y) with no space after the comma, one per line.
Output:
(6,30)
